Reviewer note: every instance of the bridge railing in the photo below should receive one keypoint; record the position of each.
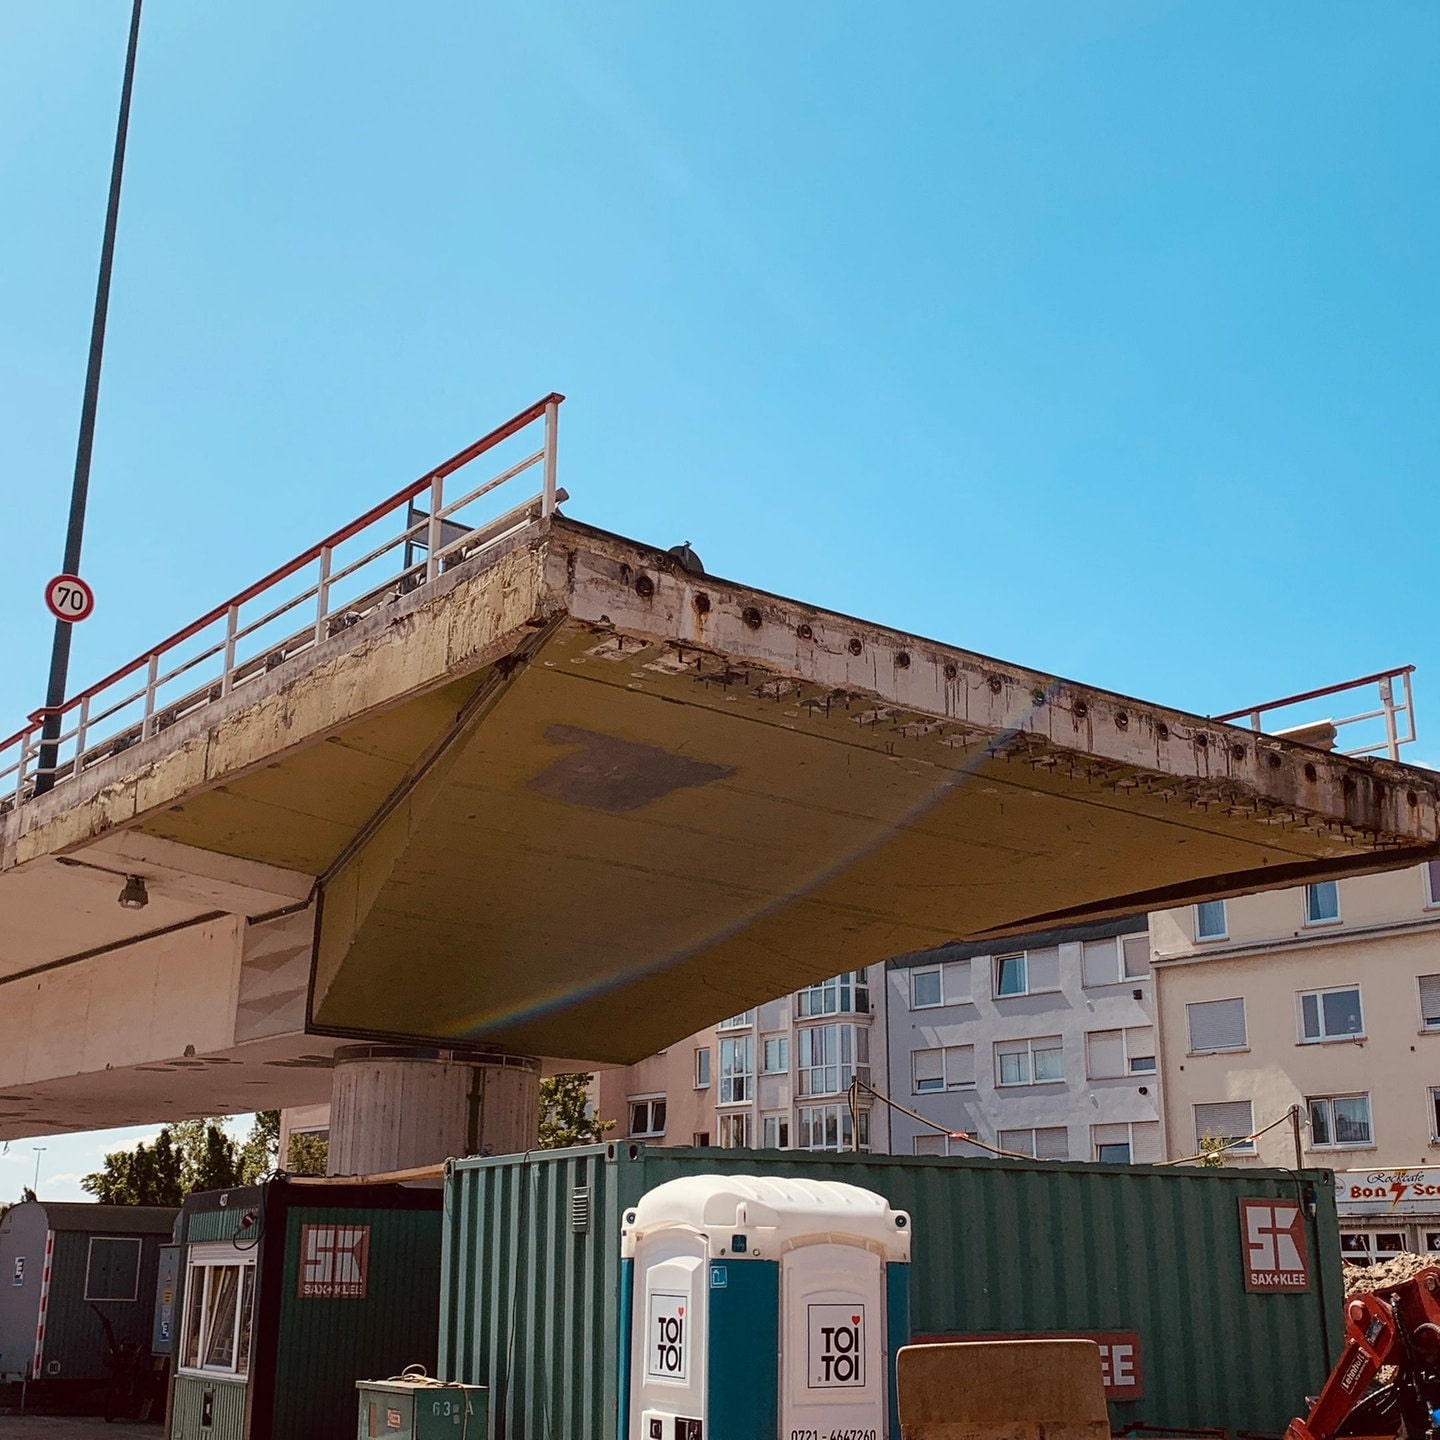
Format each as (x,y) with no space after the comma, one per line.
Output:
(446,516)
(1379,730)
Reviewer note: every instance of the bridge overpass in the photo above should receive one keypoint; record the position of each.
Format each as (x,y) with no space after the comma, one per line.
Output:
(460,793)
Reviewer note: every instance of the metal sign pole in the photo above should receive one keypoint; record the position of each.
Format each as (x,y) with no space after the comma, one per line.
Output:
(60,651)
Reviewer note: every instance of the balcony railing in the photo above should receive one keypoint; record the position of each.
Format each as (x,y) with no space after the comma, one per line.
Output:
(442,519)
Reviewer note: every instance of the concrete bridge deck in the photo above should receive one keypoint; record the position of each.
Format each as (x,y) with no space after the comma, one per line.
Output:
(569,799)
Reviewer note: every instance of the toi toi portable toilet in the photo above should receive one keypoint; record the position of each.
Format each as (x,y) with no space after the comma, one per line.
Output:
(758,1307)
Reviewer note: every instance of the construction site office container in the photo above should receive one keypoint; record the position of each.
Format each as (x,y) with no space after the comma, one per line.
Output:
(65,1271)
(1148,1261)
(290,1292)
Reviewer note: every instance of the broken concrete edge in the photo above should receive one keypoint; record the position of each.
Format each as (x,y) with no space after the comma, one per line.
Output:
(610,583)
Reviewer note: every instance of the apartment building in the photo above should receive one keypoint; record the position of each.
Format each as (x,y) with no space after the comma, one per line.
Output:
(1322,1003)
(1042,1046)
(775,1077)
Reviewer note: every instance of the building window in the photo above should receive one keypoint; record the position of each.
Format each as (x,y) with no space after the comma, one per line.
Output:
(1049,1142)
(1114,960)
(1111,1054)
(1216,1025)
(1031,972)
(1225,1122)
(1373,1247)
(219,1306)
(775,1132)
(775,1056)
(1322,903)
(930,1145)
(737,1070)
(828,1127)
(926,988)
(1435,1114)
(1134,1143)
(947,984)
(647,1115)
(1432,881)
(702,1067)
(951,1068)
(830,1056)
(738,1022)
(1429,1001)
(700,1139)
(1331,1014)
(1037,1061)
(1337,1121)
(735,1130)
(1210,920)
(847,994)
(112,1269)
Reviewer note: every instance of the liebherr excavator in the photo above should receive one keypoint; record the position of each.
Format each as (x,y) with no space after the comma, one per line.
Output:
(1399,1326)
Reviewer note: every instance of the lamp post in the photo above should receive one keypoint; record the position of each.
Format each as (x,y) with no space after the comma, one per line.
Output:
(80,486)
(39,1151)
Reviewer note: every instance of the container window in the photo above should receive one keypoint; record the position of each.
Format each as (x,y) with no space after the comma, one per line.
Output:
(219,1309)
(112,1271)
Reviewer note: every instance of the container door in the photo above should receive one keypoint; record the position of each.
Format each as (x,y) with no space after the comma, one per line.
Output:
(832,1364)
(667,1345)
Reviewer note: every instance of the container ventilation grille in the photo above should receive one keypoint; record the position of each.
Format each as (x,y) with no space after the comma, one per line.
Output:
(580,1209)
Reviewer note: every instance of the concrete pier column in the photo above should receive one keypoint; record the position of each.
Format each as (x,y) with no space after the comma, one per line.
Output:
(397,1106)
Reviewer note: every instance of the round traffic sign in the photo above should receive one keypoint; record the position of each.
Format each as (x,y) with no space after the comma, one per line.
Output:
(69,598)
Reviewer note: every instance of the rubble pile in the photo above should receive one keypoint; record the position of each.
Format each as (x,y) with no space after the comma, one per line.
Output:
(1364,1279)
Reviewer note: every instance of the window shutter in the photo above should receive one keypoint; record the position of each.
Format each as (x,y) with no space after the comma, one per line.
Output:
(959,1066)
(1105,1054)
(1052,1143)
(1044,970)
(929,1144)
(1140,1042)
(1430,1001)
(1110,1135)
(1021,1142)
(1137,956)
(1229,1119)
(929,1067)
(1097,963)
(1145,1142)
(1216,1025)
(957,982)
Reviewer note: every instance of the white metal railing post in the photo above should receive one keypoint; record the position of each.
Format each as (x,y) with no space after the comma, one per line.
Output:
(1255,720)
(552,426)
(1409,706)
(322,594)
(81,727)
(232,624)
(24,756)
(1387,703)
(147,725)
(432,528)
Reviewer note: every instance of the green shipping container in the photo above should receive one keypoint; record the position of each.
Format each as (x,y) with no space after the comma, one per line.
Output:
(1149,1261)
(292,1291)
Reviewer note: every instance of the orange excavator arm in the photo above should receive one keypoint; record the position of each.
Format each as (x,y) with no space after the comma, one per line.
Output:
(1399,1326)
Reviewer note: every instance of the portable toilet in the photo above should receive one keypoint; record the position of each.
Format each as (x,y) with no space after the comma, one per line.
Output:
(759,1306)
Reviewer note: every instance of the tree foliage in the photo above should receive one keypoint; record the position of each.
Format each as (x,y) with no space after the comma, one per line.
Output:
(183,1158)
(565,1115)
(308,1154)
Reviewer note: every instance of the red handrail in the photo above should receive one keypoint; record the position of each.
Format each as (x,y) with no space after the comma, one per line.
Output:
(446,467)
(1315,694)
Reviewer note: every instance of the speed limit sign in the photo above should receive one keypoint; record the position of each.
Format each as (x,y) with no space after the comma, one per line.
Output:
(69,598)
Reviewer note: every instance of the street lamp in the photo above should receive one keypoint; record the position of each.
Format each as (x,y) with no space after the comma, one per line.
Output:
(80,486)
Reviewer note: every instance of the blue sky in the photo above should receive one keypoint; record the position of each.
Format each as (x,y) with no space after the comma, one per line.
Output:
(1100,338)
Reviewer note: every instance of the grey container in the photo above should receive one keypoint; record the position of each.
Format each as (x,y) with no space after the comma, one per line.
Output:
(530,1274)
(62,1268)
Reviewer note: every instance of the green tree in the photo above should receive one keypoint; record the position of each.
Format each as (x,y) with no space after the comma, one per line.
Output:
(260,1150)
(147,1175)
(308,1154)
(565,1117)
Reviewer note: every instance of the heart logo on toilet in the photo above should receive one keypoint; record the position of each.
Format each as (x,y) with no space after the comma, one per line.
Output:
(854,1319)
(680,1310)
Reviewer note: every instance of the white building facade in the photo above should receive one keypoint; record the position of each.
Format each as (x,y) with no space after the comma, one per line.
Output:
(1041,1046)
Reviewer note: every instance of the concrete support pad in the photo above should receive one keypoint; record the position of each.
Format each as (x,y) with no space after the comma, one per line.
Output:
(396,1107)
(1002,1390)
